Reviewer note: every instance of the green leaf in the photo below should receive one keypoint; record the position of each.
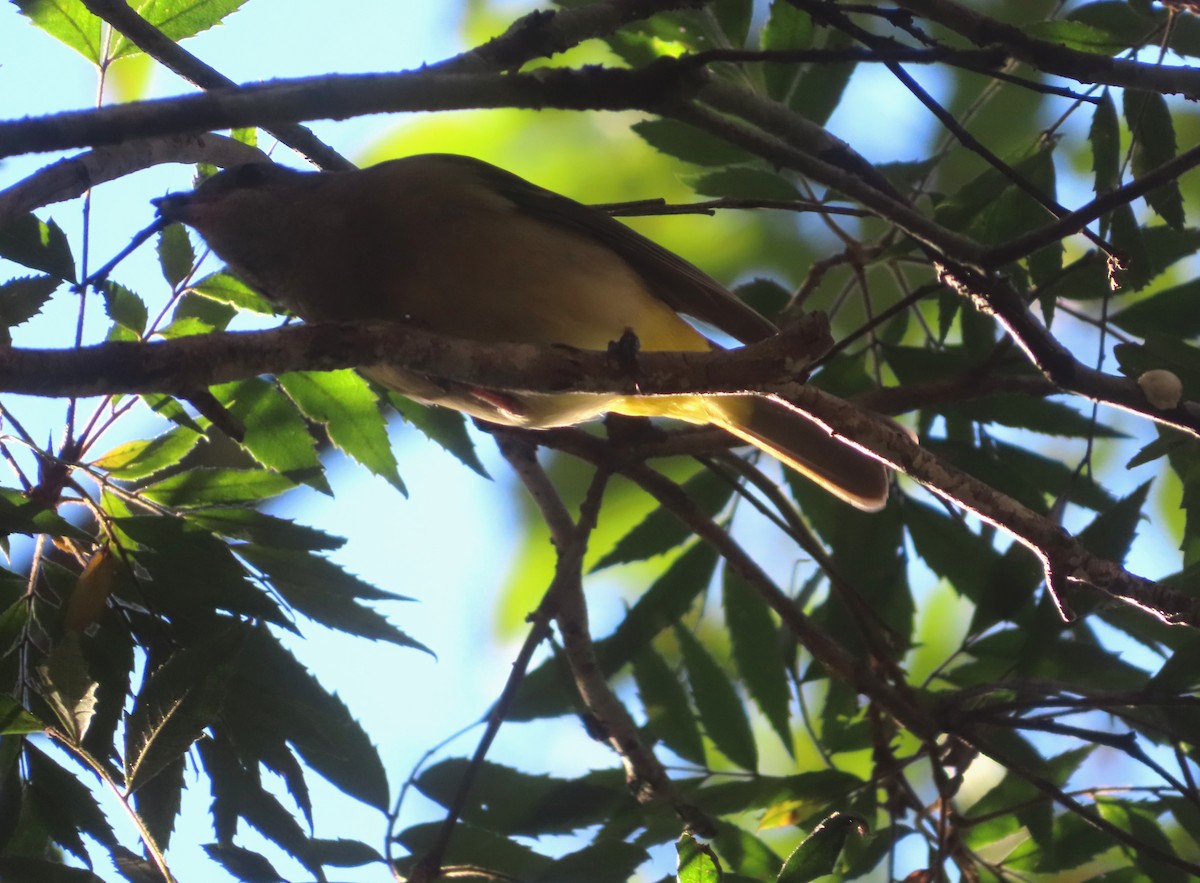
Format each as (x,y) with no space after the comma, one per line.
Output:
(745,853)
(178,701)
(786,28)
(733,16)
(442,426)
(243,864)
(669,715)
(1105,138)
(951,550)
(227,289)
(1111,532)
(696,862)
(743,183)
(757,650)
(176,257)
(688,143)
(661,530)
(475,846)
(1130,241)
(145,457)
(32,870)
(191,572)
(343,853)
(28,241)
(1126,25)
(344,403)
(515,803)
(819,89)
(263,529)
(1149,120)
(1073,35)
(276,434)
(124,307)
(721,711)
(177,19)
(1170,311)
(68,21)
(604,859)
(68,688)
(22,299)
(65,805)
(317,723)
(14,719)
(325,593)
(203,486)
(1024,412)
(817,855)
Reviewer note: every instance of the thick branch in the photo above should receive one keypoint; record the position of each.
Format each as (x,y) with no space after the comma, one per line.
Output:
(1054,58)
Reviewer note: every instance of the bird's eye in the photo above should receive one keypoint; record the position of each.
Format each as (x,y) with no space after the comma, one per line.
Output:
(251,174)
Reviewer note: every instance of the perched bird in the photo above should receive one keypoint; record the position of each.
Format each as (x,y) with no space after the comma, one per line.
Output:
(459,247)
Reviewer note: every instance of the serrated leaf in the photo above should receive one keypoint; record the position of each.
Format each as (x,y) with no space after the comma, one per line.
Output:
(68,21)
(29,241)
(191,572)
(227,289)
(688,143)
(204,486)
(604,859)
(758,653)
(22,299)
(786,28)
(325,593)
(743,183)
(179,700)
(512,802)
(695,862)
(661,531)
(444,427)
(14,719)
(65,805)
(1129,240)
(475,846)
(317,723)
(124,307)
(343,853)
(145,457)
(817,855)
(68,688)
(176,257)
(32,870)
(1105,139)
(276,434)
(177,19)
(1149,120)
(243,864)
(345,405)
(1170,311)
(669,716)
(819,88)
(1038,415)
(721,711)
(267,530)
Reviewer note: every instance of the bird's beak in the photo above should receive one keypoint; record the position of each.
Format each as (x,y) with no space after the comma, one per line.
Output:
(173,206)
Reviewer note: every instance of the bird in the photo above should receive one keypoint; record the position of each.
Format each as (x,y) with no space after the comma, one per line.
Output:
(456,246)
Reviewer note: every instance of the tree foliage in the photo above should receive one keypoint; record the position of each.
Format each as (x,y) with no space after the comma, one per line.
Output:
(992,679)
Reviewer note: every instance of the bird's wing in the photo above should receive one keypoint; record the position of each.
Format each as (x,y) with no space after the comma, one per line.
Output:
(682,286)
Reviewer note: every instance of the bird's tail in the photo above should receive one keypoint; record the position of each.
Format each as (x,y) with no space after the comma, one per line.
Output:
(787,435)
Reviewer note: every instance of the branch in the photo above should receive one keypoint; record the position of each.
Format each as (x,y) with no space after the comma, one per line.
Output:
(343,96)
(188,363)
(73,176)
(1054,58)
(159,46)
